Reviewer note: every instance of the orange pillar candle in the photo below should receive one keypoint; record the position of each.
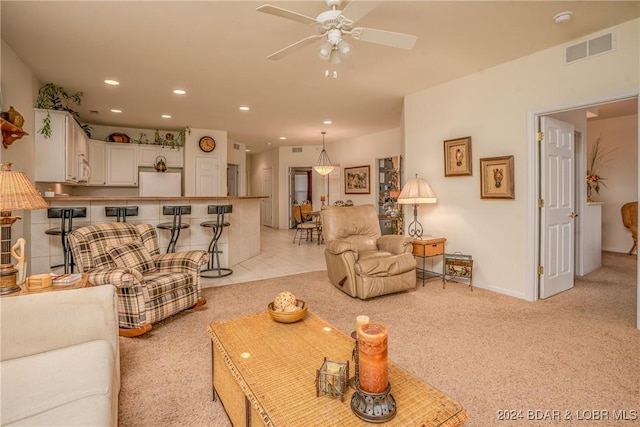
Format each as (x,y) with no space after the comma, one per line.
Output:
(372,358)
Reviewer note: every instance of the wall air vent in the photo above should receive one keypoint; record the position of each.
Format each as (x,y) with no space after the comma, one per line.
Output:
(236,146)
(589,48)
(296,150)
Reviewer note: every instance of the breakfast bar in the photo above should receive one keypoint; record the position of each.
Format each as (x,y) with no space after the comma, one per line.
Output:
(239,242)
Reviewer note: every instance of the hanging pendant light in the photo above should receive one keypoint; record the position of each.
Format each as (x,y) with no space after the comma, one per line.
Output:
(324,166)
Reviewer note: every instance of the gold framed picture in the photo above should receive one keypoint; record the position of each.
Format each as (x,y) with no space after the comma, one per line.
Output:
(457,157)
(357,180)
(496,178)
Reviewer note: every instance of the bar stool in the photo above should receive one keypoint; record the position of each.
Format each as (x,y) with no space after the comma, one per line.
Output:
(121,212)
(217,226)
(66,216)
(176,224)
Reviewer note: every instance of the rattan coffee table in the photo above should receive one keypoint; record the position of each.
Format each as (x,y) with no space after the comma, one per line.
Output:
(264,372)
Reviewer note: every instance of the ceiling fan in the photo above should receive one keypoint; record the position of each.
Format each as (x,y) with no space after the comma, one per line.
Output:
(333,25)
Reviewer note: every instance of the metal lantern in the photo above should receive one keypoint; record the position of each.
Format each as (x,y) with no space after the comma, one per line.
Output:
(332,379)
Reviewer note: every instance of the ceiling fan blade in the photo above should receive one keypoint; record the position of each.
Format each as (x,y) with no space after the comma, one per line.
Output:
(357,10)
(287,14)
(387,38)
(294,47)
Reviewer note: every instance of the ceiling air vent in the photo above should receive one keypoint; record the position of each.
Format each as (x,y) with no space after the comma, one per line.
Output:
(589,48)
(236,146)
(296,149)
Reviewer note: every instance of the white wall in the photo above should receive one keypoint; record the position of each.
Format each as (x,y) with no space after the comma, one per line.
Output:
(496,107)
(619,134)
(19,89)
(367,149)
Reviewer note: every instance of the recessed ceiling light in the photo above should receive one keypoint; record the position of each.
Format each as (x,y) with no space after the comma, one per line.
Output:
(283,137)
(327,122)
(115,110)
(179,91)
(166,116)
(244,108)
(246,150)
(112,82)
(268,143)
(563,17)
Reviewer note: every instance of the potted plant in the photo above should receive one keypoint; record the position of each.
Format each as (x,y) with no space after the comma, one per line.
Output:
(53,97)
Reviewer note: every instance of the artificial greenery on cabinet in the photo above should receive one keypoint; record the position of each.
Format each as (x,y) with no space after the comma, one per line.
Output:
(167,141)
(54,97)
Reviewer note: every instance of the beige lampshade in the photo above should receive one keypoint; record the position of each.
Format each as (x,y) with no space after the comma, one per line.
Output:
(416,192)
(17,192)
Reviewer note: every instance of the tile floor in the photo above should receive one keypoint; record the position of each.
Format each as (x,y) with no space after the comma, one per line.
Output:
(278,257)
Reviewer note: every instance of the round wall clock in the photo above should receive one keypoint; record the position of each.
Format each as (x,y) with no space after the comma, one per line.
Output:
(207,144)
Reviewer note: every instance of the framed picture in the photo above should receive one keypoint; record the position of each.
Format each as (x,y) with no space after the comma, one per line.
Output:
(357,180)
(496,178)
(457,157)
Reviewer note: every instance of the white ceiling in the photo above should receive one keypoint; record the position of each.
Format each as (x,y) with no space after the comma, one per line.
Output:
(216,51)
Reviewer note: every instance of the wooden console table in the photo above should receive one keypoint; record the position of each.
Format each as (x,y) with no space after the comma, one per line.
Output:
(429,248)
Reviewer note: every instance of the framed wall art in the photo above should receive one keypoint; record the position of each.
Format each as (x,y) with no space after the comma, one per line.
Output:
(457,157)
(357,180)
(496,178)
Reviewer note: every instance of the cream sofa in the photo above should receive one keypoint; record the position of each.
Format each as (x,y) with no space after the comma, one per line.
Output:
(60,361)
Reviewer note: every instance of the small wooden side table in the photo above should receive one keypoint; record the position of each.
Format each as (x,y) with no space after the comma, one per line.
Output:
(82,283)
(428,248)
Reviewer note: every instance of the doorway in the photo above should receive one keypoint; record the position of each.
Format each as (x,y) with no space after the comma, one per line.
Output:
(583,234)
(300,188)
(233,179)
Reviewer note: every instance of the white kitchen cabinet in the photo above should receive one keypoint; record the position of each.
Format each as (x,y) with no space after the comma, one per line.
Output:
(57,158)
(122,164)
(149,153)
(97,162)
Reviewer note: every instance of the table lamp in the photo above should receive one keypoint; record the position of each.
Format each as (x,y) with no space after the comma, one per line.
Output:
(416,192)
(16,193)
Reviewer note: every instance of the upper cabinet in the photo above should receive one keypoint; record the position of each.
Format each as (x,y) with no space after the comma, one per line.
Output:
(59,158)
(122,165)
(98,162)
(148,155)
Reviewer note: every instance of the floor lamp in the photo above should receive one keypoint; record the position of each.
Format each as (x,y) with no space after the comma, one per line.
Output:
(17,193)
(416,192)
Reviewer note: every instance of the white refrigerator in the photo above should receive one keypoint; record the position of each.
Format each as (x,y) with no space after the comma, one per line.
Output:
(160,184)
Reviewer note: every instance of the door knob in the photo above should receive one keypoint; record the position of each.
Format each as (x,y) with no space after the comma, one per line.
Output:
(573,215)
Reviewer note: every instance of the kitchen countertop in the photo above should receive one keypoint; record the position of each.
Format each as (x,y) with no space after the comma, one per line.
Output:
(149,198)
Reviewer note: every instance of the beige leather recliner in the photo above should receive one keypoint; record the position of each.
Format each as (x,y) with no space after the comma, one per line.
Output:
(362,262)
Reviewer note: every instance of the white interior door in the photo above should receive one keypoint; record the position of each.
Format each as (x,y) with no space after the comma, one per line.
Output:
(207,176)
(557,175)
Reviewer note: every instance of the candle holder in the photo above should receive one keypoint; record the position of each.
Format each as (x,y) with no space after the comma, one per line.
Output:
(372,400)
(354,356)
(373,407)
(332,379)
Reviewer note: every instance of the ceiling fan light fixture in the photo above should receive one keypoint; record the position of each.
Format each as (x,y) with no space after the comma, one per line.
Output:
(345,49)
(335,58)
(325,50)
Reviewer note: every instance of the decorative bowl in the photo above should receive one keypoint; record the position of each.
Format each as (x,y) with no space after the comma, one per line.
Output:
(291,317)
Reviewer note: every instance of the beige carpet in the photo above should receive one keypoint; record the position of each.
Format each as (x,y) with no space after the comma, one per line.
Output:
(577,352)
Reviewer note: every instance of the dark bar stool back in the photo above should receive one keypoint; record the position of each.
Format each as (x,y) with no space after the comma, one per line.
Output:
(121,212)
(66,216)
(175,225)
(213,269)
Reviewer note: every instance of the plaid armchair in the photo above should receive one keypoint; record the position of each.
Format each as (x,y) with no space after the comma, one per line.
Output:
(150,286)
